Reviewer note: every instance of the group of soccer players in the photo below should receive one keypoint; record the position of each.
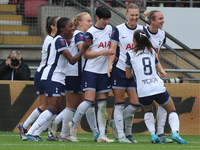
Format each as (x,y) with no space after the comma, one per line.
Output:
(96,60)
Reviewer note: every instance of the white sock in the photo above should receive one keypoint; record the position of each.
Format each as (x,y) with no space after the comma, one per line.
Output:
(44,117)
(91,119)
(59,117)
(102,115)
(174,121)
(130,110)
(128,125)
(128,115)
(68,114)
(33,116)
(45,125)
(118,117)
(82,108)
(161,119)
(149,121)
(55,123)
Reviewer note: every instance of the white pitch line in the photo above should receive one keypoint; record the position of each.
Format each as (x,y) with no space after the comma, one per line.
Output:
(99,145)
(84,138)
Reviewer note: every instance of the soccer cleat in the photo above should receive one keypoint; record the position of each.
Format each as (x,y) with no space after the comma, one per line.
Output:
(104,138)
(164,139)
(52,129)
(28,137)
(155,139)
(64,139)
(72,132)
(114,129)
(96,137)
(124,140)
(51,138)
(37,138)
(22,130)
(130,138)
(177,138)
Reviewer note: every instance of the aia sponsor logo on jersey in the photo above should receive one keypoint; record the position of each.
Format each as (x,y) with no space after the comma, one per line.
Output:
(129,46)
(104,44)
(157,50)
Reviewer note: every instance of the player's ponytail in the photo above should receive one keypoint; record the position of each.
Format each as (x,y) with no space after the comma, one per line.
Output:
(150,15)
(142,42)
(78,18)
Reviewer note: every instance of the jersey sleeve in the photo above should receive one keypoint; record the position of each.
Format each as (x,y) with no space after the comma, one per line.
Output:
(115,35)
(61,45)
(147,34)
(79,38)
(88,35)
(128,60)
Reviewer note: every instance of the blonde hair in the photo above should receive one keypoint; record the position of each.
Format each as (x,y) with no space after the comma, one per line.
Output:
(16,55)
(150,14)
(131,6)
(78,18)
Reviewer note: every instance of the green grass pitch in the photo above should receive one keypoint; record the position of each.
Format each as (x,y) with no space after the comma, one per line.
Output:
(12,141)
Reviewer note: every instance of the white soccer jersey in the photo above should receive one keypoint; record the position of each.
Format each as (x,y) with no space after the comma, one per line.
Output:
(45,47)
(100,41)
(76,69)
(56,64)
(123,36)
(144,67)
(157,39)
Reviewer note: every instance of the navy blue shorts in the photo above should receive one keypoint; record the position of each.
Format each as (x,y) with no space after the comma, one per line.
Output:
(119,80)
(53,89)
(38,83)
(162,99)
(95,82)
(73,84)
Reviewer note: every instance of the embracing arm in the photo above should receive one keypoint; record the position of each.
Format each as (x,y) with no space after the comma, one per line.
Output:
(72,60)
(89,55)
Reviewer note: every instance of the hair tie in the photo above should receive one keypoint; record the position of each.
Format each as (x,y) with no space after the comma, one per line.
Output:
(141,34)
(54,18)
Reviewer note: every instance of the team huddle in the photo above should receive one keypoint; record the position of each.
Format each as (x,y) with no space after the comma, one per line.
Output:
(81,62)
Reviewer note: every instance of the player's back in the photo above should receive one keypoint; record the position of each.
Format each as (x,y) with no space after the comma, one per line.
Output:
(147,79)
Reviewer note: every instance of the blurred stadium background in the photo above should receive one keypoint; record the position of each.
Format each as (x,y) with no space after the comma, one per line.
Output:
(22,27)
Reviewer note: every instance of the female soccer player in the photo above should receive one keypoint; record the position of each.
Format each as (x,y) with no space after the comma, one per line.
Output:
(51,29)
(94,77)
(53,76)
(157,38)
(142,61)
(122,37)
(74,96)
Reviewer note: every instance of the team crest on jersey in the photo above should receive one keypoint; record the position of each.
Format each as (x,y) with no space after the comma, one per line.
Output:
(81,37)
(109,35)
(62,42)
